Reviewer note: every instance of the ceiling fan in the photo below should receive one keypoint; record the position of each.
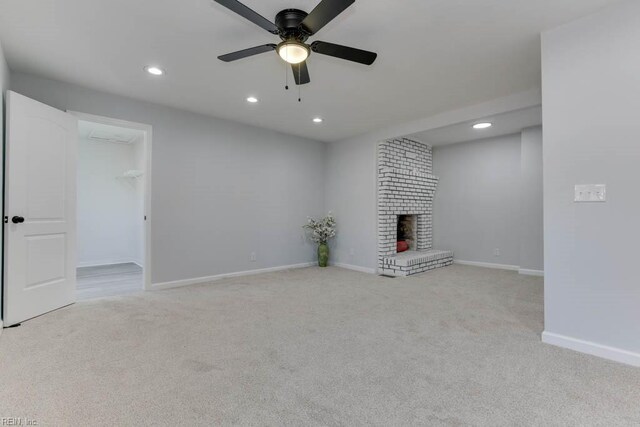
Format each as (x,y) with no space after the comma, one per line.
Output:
(294,27)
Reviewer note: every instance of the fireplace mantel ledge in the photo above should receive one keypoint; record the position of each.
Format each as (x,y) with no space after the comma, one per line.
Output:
(408,173)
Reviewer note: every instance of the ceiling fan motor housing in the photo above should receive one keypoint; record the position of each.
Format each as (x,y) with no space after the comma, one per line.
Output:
(288,22)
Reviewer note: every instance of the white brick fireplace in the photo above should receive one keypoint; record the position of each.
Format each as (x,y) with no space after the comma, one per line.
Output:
(406,186)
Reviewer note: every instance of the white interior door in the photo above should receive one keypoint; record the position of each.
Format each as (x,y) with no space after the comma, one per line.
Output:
(40,209)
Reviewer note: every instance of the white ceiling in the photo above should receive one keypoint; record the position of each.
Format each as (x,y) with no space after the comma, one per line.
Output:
(434,56)
(503,124)
(99,132)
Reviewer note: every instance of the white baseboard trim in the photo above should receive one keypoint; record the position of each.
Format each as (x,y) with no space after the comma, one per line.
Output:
(109,262)
(487,265)
(206,279)
(524,271)
(528,272)
(594,349)
(354,267)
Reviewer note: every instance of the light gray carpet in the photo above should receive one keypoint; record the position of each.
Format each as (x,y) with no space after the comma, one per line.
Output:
(456,346)
(108,281)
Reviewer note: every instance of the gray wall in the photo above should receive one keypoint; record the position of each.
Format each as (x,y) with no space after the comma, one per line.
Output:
(351,196)
(220,190)
(477,206)
(531,201)
(591,113)
(490,197)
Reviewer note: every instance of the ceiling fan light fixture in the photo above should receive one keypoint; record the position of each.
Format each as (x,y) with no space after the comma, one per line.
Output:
(293,52)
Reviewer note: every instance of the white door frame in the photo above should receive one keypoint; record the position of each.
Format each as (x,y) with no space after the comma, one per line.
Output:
(147,129)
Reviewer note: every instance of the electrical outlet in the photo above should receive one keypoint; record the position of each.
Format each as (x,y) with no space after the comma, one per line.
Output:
(253,257)
(497,252)
(590,193)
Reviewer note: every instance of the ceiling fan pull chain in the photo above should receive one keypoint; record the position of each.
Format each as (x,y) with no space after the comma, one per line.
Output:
(285,67)
(286,77)
(300,81)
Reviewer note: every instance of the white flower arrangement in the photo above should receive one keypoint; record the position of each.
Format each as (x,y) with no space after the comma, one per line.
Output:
(321,230)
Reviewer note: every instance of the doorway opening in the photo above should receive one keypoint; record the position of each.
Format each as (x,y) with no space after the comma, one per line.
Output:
(112,207)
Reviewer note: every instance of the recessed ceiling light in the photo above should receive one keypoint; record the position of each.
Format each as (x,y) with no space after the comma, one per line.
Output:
(154,70)
(252,99)
(482,125)
(318,120)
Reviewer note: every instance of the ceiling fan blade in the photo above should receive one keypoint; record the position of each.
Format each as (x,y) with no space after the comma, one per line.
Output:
(234,56)
(324,13)
(301,73)
(344,52)
(249,14)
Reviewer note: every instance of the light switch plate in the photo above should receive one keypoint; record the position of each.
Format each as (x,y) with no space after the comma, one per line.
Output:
(590,193)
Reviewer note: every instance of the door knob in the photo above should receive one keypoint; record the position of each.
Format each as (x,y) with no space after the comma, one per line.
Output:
(17,220)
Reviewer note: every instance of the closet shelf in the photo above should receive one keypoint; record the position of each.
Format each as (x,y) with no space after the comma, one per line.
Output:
(133,173)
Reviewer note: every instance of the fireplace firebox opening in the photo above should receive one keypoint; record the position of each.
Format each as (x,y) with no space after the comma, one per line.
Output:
(407,233)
